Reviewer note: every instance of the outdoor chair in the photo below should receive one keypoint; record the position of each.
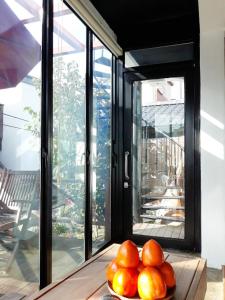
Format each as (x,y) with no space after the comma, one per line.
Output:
(7,213)
(19,204)
(19,194)
(4,201)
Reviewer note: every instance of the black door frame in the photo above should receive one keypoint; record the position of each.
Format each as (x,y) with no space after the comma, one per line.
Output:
(192,240)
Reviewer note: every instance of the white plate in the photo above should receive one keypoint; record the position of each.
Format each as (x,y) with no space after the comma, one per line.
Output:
(170,293)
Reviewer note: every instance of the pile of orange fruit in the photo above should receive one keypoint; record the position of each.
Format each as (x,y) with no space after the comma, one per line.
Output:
(149,276)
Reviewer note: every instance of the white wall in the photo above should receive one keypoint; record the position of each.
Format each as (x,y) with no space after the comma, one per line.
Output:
(20,149)
(212,28)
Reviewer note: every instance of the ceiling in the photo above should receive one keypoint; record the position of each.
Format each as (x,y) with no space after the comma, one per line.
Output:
(146,23)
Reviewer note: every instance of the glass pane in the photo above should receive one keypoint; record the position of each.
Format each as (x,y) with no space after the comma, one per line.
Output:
(20,88)
(68,190)
(158,158)
(101,145)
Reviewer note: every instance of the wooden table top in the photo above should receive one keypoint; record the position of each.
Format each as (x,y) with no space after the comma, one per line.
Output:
(89,280)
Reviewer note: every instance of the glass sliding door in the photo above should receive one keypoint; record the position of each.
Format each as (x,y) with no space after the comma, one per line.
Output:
(20,102)
(159,178)
(24,152)
(69,141)
(158,158)
(101,145)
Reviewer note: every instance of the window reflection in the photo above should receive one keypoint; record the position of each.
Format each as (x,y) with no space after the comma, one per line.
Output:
(101,145)
(68,190)
(20,101)
(20,79)
(158,158)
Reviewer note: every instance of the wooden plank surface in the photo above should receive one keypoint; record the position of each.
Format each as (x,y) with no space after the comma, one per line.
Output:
(106,255)
(103,290)
(89,281)
(199,283)
(184,268)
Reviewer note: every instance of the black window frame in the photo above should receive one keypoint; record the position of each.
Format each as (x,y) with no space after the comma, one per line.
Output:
(47,135)
(118,205)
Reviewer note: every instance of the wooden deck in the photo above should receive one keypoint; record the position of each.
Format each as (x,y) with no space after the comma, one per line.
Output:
(22,278)
(170,230)
(14,289)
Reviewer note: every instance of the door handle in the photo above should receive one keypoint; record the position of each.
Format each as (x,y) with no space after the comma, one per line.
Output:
(126,165)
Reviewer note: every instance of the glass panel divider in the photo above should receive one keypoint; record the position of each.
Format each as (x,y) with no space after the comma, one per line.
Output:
(46,138)
(89,112)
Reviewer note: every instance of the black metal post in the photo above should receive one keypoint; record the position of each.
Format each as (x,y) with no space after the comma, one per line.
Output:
(89,117)
(46,146)
(117,152)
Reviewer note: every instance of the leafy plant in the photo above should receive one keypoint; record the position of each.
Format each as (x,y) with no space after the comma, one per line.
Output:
(69,108)
(59,229)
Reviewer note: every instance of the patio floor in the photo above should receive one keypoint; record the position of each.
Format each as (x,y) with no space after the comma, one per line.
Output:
(22,278)
(170,230)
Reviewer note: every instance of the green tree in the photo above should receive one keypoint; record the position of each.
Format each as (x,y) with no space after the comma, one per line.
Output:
(69,108)
(68,129)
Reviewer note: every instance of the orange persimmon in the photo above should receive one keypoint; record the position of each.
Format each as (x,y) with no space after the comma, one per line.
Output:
(168,274)
(140,266)
(127,256)
(152,254)
(151,285)
(125,282)
(111,270)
